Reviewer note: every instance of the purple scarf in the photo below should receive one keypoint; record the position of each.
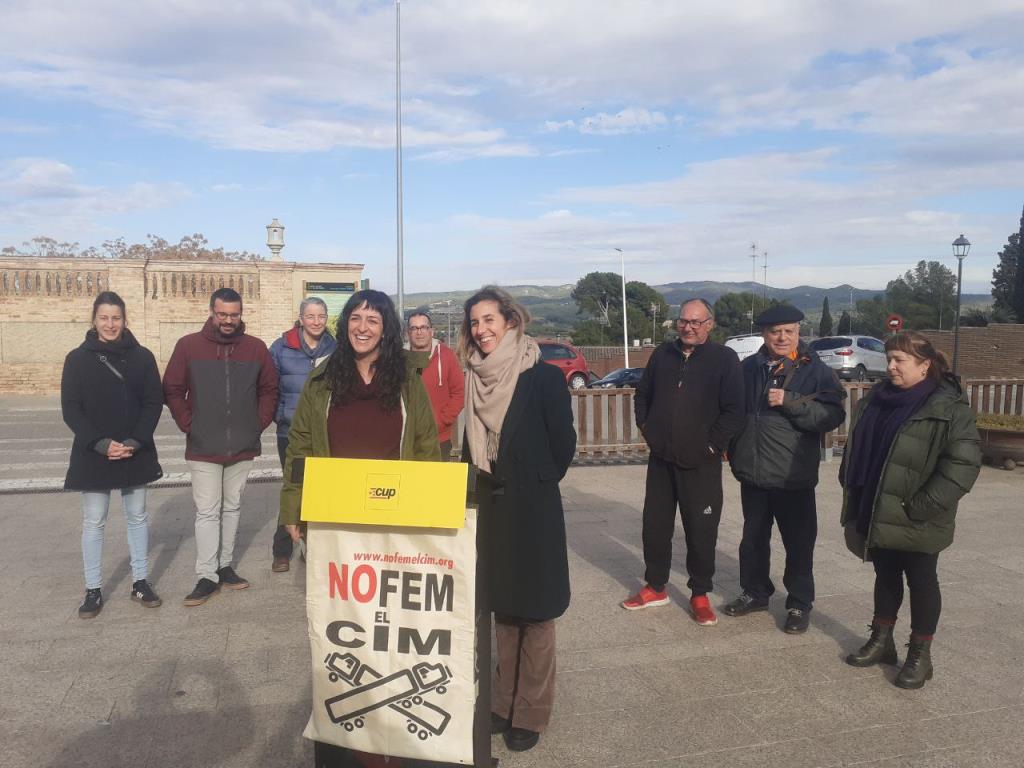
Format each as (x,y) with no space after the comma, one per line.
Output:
(886,411)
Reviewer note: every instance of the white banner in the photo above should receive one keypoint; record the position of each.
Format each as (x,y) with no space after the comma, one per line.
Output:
(391,629)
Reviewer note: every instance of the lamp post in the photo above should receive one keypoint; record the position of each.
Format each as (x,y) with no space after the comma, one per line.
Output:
(275,239)
(625,331)
(654,323)
(961,247)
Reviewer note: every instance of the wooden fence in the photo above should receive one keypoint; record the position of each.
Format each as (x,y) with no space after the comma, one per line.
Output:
(605,428)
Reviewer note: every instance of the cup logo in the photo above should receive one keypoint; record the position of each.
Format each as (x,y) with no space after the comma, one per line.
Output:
(382,491)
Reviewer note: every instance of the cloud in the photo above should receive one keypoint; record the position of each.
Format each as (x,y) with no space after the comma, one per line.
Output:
(43,196)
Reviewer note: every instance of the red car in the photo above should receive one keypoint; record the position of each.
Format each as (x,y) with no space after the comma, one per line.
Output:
(568,359)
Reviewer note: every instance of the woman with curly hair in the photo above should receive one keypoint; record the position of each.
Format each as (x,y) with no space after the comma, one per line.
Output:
(519,429)
(366,401)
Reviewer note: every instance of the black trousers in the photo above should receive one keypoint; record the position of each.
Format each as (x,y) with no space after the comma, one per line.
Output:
(920,569)
(797,518)
(282,541)
(697,493)
(446,451)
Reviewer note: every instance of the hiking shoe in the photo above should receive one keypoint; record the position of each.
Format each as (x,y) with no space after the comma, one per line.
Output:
(745,604)
(205,589)
(281,565)
(230,579)
(648,597)
(521,739)
(797,621)
(703,613)
(143,593)
(93,604)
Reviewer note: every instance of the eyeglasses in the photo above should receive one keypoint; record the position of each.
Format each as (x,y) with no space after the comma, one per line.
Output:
(228,315)
(692,323)
(419,328)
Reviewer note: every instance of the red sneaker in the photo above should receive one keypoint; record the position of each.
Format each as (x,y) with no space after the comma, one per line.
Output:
(645,598)
(703,613)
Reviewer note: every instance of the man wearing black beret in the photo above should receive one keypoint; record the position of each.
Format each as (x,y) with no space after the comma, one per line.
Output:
(791,399)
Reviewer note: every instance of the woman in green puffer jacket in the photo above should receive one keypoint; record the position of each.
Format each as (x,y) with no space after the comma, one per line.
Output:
(911,455)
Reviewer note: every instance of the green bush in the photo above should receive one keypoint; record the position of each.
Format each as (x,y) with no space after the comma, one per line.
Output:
(1001,421)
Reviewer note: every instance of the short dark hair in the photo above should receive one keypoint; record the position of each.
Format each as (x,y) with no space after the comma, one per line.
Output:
(109,297)
(919,347)
(420,313)
(227,295)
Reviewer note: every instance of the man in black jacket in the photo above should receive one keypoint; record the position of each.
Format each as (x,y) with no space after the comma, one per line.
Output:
(688,405)
(791,399)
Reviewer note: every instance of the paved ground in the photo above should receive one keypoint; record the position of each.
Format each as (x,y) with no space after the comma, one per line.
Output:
(226,684)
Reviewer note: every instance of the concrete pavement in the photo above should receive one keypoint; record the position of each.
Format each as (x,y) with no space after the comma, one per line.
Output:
(227,683)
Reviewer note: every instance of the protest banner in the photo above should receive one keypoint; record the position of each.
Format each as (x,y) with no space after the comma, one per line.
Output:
(391,608)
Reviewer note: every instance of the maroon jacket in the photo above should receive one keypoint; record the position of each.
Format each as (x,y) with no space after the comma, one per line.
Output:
(222,393)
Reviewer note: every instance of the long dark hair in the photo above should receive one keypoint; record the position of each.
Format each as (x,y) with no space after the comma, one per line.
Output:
(389,368)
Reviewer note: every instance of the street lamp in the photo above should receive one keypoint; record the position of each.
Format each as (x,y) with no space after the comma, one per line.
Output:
(275,239)
(625,332)
(961,247)
(654,323)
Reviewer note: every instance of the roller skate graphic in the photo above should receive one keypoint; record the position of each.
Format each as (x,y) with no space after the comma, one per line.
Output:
(402,691)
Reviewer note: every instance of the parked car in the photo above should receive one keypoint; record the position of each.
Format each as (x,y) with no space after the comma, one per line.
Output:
(745,345)
(620,377)
(568,359)
(857,358)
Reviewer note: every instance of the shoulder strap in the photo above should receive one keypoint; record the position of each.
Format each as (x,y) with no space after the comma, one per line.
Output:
(103,359)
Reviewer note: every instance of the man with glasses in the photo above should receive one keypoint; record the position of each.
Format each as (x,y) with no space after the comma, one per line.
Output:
(220,386)
(688,405)
(296,353)
(442,377)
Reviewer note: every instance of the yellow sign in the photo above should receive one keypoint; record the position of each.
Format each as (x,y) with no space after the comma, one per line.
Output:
(421,494)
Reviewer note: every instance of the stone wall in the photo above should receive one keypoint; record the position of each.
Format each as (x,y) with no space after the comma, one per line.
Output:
(993,352)
(45,305)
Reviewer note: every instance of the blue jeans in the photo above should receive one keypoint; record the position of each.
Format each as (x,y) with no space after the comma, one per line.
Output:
(94,519)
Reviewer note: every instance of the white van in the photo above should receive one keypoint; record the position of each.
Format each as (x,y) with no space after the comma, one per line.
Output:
(746,345)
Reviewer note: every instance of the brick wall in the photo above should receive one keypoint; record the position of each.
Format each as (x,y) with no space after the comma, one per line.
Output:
(993,352)
(45,305)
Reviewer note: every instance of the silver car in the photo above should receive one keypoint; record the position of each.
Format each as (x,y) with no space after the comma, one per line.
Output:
(856,358)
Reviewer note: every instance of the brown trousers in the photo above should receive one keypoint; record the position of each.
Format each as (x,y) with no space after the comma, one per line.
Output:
(524,679)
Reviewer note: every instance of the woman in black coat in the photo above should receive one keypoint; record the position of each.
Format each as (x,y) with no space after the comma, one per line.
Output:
(518,428)
(111,398)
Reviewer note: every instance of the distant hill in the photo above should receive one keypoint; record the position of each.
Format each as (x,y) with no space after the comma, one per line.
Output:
(552,306)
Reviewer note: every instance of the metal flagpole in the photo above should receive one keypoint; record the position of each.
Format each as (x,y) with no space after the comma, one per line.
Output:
(398,156)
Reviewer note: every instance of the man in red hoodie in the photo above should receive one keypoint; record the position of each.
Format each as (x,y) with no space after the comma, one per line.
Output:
(442,377)
(221,388)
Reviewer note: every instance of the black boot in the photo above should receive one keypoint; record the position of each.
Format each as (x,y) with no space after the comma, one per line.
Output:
(918,666)
(879,649)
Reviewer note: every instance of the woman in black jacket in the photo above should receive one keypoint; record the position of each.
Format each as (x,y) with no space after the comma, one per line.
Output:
(111,398)
(518,428)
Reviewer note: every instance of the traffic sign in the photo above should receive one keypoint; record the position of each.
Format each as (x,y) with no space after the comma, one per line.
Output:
(894,323)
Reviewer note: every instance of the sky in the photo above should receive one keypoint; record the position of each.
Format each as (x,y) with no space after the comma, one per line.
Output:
(848,140)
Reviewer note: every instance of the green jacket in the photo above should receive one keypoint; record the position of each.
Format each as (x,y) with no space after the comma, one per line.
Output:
(308,433)
(932,463)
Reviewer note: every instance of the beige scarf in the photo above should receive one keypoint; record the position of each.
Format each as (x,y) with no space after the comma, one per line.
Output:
(489,387)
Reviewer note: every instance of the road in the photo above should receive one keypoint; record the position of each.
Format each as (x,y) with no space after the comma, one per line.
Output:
(35,443)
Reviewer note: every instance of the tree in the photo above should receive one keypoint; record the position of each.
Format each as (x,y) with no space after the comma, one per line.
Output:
(732,313)
(973,318)
(925,296)
(190,248)
(825,327)
(844,324)
(599,294)
(871,316)
(1007,277)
